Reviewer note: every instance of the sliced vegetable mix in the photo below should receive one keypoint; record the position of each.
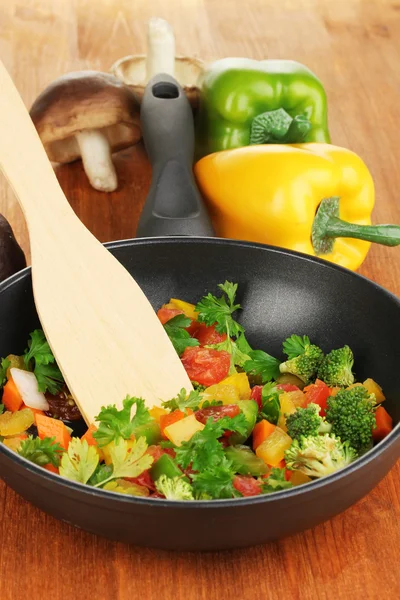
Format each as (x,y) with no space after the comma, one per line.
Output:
(253,424)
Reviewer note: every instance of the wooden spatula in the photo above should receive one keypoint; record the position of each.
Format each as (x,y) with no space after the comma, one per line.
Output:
(103,331)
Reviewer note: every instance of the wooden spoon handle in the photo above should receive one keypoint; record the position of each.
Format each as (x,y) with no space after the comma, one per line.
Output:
(33,184)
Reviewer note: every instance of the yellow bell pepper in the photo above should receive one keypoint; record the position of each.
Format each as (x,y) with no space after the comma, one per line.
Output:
(272,450)
(241,383)
(227,394)
(186,307)
(271,194)
(183,430)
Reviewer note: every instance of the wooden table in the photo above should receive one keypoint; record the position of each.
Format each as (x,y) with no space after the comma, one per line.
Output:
(354,46)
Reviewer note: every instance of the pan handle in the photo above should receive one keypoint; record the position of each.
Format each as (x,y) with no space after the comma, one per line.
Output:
(174,205)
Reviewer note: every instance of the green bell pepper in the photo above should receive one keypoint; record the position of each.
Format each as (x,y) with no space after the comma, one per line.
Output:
(245,101)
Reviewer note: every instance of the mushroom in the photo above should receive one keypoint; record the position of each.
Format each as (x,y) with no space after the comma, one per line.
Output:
(12,258)
(88,115)
(137,70)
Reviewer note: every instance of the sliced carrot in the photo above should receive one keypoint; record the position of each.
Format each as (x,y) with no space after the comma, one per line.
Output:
(12,399)
(48,427)
(88,436)
(384,424)
(51,468)
(261,431)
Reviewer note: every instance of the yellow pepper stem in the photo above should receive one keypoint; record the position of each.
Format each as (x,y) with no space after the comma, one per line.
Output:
(327,226)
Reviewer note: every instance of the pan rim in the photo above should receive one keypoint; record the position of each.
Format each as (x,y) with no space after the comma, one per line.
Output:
(87,492)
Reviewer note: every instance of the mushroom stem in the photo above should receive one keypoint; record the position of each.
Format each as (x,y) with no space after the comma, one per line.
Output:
(160,48)
(97,161)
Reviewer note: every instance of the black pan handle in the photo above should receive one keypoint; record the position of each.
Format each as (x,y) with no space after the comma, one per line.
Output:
(174,205)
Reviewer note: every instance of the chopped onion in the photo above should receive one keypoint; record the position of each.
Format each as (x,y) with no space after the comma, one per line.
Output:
(27,386)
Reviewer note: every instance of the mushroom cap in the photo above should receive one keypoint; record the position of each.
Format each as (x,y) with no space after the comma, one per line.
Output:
(188,71)
(80,101)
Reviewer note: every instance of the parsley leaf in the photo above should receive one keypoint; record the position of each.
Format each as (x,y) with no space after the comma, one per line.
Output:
(183,401)
(128,461)
(295,345)
(215,482)
(49,378)
(101,473)
(41,452)
(115,424)
(203,450)
(212,310)
(243,345)
(237,356)
(80,461)
(271,407)
(5,363)
(262,364)
(39,358)
(276,481)
(178,335)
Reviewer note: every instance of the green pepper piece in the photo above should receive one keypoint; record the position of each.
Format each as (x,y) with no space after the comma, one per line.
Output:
(250,411)
(245,462)
(236,90)
(151,431)
(166,466)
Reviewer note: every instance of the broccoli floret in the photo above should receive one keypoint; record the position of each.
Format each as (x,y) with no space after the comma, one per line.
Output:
(352,415)
(336,367)
(319,455)
(174,488)
(305,365)
(306,421)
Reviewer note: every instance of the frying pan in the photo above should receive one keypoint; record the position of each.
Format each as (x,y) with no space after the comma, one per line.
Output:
(282,292)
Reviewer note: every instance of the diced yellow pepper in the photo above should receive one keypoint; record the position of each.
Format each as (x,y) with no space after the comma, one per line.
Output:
(374,388)
(298,478)
(106,450)
(16,423)
(13,442)
(241,383)
(272,450)
(297,397)
(183,430)
(228,394)
(157,412)
(287,407)
(188,309)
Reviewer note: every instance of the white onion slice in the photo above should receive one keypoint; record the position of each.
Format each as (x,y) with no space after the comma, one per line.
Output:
(27,386)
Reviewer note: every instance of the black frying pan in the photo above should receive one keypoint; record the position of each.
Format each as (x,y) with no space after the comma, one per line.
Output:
(282,293)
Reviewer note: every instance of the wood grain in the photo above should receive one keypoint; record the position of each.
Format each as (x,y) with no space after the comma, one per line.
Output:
(354,46)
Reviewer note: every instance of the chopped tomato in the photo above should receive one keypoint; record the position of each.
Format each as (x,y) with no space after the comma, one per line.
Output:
(165,314)
(247,486)
(217,412)
(208,335)
(206,366)
(144,479)
(318,393)
(256,394)
(288,387)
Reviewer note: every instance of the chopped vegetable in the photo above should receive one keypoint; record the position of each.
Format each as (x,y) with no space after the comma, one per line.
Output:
(79,462)
(16,423)
(174,488)
(244,461)
(49,428)
(275,481)
(128,461)
(176,330)
(41,452)
(165,465)
(261,431)
(205,365)
(374,388)
(384,424)
(188,309)
(336,367)
(40,359)
(27,386)
(121,486)
(270,403)
(12,399)
(307,422)
(183,430)
(318,393)
(115,424)
(304,358)
(320,455)
(352,415)
(263,365)
(272,450)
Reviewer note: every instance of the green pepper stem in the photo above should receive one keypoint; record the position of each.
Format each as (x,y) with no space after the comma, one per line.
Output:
(388,235)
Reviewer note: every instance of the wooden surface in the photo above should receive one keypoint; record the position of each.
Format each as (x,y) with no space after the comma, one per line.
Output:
(354,46)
